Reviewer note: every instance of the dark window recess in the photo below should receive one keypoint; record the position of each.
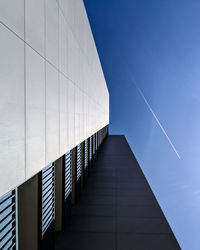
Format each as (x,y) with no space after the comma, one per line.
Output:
(98,139)
(47,197)
(86,154)
(8,221)
(78,162)
(68,176)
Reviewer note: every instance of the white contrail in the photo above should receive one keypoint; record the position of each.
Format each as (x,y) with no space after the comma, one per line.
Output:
(145,100)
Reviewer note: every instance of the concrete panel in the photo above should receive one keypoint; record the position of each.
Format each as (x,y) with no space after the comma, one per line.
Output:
(12,15)
(12,110)
(52,114)
(35,112)
(77,115)
(76,102)
(63,115)
(71,55)
(35,27)
(71,115)
(52,27)
(62,44)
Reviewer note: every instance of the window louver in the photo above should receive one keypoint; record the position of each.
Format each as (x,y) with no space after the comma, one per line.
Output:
(86,154)
(67,174)
(47,197)
(90,148)
(8,221)
(94,146)
(78,161)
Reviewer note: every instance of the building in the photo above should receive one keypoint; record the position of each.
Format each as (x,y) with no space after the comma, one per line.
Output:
(53,91)
(54,110)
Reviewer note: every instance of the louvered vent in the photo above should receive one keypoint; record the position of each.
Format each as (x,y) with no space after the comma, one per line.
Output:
(68,175)
(94,146)
(90,148)
(78,162)
(47,197)
(86,154)
(8,221)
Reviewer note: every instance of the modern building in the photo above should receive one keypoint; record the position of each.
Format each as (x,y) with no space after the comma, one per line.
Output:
(54,117)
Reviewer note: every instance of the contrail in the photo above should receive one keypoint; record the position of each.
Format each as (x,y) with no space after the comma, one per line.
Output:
(145,100)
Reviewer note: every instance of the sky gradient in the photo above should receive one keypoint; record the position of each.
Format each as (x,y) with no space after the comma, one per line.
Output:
(150,54)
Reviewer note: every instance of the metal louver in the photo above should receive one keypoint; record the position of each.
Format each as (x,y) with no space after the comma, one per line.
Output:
(86,154)
(8,221)
(78,162)
(47,197)
(90,148)
(67,174)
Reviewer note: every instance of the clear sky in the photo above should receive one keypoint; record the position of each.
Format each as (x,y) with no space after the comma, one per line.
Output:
(150,54)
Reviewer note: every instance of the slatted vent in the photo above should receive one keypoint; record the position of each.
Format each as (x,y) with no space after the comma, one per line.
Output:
(78,161)
(68,174)
(8,221)
(86,154)
(94,146)
(47,197)
(90,148)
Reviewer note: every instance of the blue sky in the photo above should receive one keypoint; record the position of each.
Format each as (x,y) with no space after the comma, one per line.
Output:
(156,45)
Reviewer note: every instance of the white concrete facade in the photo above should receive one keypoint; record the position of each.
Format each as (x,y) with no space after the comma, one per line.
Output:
(53,94)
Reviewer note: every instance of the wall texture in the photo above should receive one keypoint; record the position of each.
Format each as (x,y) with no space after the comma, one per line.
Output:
(53,93)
